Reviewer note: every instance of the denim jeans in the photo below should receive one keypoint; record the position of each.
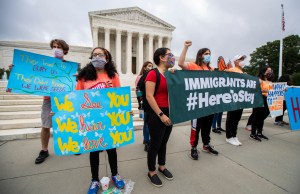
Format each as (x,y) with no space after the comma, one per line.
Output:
(217,120)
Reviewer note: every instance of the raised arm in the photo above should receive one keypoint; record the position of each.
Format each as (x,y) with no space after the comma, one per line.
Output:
(181,60)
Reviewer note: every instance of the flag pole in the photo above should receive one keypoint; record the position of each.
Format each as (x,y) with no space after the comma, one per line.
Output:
(281,43)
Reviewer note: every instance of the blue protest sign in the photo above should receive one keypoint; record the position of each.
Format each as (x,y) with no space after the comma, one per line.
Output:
(39,75)
(292,100)
(90,120)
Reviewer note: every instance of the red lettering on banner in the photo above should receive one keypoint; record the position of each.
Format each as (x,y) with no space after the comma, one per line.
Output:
(92,144)
(295,109)
(92,127)
(88,104)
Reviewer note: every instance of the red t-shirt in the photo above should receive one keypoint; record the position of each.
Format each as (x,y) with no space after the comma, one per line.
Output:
(161,95)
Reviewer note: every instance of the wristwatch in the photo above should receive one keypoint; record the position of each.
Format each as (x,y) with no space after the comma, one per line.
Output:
(161,114)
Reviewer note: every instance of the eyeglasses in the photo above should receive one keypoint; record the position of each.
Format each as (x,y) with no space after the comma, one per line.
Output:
(169,54)
(98,54)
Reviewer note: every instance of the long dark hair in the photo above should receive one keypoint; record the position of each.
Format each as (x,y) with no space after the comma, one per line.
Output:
(143,68)
(262,71)
(199,58)
(89,71)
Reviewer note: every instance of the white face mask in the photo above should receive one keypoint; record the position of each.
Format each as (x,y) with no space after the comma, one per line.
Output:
(242,64)
(58,53)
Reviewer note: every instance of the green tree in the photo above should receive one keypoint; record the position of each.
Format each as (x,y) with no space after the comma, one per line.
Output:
(268,54)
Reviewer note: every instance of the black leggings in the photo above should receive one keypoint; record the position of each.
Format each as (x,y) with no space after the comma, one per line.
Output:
(159,135)
(113,162)
(232,122)
(259,116)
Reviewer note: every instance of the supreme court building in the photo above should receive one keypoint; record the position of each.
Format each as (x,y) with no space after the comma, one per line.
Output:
(130,34)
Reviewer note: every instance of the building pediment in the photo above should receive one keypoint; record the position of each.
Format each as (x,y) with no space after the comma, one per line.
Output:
(133,15)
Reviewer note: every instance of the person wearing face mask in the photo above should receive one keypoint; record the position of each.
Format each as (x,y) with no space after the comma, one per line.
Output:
(160,125)
(147,66)
(261,113)
(59,49)
(269,77)
(100,73)
(234,117)
(201,63)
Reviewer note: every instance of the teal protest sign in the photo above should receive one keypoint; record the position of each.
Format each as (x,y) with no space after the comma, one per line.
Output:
(39,75)
(195,94)
(91,120)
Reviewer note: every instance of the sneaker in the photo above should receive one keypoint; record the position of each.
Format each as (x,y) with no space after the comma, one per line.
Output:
(168,175)
(232,141)
(248,128)
(94,187)
(42,156)
(279,123)
(146,147)
(209,149)
(216,131)
(118,181)
(221,129)
(254,137)
(261,136)
(194,154)
(155,180)
(237,141)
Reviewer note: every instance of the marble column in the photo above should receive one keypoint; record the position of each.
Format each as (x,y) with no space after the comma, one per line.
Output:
(150,54)
(169,39)
(95,37)
(160,38)
(129,53)
(118,50)
(141,52)
(107,38)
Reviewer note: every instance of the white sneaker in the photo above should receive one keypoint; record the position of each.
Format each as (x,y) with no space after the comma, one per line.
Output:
(248,127)
(232,141)
(237,141)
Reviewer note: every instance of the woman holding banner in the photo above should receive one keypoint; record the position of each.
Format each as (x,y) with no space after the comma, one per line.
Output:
(100,73)
(160,125)
(201,63)
(261,113)
(234,117)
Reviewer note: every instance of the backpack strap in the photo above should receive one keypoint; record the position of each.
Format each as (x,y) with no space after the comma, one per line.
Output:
(157,80)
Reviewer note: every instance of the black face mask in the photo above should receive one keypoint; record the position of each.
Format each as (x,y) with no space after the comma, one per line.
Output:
(270,76)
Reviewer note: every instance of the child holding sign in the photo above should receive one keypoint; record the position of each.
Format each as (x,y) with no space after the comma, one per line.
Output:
(100,73)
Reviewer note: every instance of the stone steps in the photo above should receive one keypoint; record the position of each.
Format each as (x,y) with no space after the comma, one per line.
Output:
(20,114)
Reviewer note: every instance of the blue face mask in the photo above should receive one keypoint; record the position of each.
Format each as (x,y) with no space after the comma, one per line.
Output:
(206,59)
(98,62)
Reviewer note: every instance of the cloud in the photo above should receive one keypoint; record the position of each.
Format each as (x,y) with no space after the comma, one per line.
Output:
(227,27)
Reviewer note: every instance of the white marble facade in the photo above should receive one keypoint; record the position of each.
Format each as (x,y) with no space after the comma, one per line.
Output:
(131,35)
